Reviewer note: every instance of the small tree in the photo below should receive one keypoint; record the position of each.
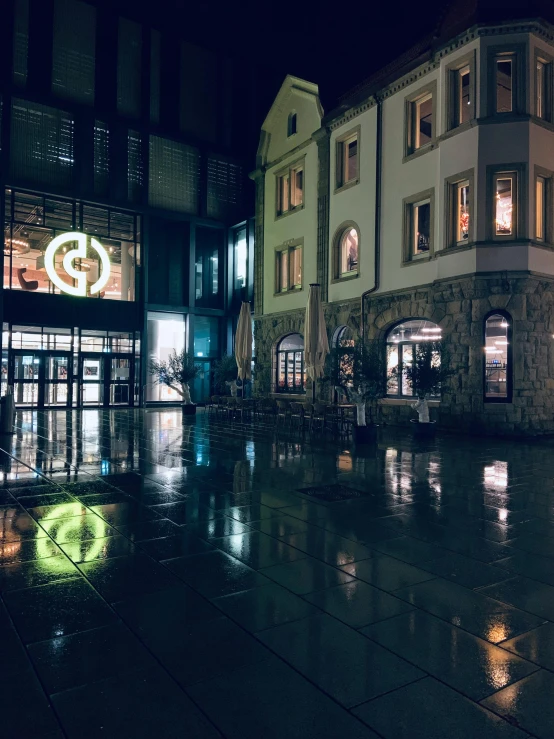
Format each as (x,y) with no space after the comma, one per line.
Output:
(425,375)
(360,373)
(225,373)
(176,372)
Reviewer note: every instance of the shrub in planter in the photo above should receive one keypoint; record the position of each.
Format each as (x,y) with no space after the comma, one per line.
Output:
(177,372)
(225,375)
(425,375)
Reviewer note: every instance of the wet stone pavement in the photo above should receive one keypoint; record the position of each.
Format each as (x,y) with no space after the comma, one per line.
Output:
(168,579)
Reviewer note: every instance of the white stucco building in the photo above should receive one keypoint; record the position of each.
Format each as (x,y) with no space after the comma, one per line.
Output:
(423,205)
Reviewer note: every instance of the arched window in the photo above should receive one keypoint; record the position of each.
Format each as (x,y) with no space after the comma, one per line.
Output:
(291,126)
(290,365)
(344,345)
(402,343)
(498,358)
(347,251)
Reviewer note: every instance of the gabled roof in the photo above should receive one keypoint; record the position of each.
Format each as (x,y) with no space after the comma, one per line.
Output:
(291,85)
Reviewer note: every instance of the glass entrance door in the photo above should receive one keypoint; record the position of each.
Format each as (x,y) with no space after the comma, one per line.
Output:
(120,380)
(106,379)
(41,379)
(91,375)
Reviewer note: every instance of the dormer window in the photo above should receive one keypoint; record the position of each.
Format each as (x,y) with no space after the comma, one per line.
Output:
(291,125)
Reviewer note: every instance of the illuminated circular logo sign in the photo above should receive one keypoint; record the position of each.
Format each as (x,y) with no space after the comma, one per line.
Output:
(80,252)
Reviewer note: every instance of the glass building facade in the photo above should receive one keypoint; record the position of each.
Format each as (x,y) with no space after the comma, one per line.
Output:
(125,204)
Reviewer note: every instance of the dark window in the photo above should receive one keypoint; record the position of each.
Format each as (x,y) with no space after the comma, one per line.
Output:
(291,127)
(101,158)
(129,57)
(174,175)
(73,50)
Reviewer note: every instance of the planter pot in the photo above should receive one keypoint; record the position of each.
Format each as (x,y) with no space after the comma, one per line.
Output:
(189,410)
(365,434)
(423,430)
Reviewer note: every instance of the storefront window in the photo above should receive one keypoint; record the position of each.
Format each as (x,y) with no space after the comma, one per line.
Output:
(206,336)
(402,343)
(33,221)
(291,377)
(166,333)
(498,353)
(240,254)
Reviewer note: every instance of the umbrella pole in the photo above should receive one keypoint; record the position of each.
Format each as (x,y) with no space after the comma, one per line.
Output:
(313,391)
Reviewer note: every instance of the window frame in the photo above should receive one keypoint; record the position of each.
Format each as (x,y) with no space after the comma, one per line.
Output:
(400,344)
(452,92)
(411,101)
(509,359)
(547,61)
(295,166)
(289,248)
(548,225)
(451,192)
(517,54)
(339,233)
(286,390)
(341,183)
(292,124)
(519,200)
(408,238)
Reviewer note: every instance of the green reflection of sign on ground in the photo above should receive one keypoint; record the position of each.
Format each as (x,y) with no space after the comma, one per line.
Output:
(71,523)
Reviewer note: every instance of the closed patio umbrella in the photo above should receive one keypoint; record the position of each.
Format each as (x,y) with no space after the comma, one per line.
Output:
(316,345)
(243,344)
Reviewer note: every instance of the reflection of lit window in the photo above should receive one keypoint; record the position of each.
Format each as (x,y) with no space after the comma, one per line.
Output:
(504,206)
(347,160)
(540,208)
(240,258)
(290,365)
(422,121)
(497,358)
(165,333)
(542,88)
(463,101)
(421,228)
(348,252)
(402,343)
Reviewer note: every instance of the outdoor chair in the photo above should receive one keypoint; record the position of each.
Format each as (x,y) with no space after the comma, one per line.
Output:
(283,410)
(296,414)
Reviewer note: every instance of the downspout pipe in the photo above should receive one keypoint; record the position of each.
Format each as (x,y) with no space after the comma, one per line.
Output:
(378,188)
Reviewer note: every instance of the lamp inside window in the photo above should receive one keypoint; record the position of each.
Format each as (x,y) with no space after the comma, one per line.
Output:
(504,206)
(462,212)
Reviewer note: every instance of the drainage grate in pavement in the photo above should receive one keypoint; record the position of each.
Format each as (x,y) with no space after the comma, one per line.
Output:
(332,493)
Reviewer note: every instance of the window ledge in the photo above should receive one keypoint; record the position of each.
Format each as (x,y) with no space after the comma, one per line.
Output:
(344,278)
(278,216)
(347,186)
(289,292)
(431,146)
(455,248)
(407,401)
(458,129)
(418,260)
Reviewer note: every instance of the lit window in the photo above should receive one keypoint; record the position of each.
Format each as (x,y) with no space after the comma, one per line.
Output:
(402,343)
(463,105)
(542,89)
(504,206)
(288,269)
(421,228)
(290,189)
(348,253)
(347,160)
(290,376)
(540,208)
(241,253)
(462,212)
(422,121)
(497,358)
(504,85)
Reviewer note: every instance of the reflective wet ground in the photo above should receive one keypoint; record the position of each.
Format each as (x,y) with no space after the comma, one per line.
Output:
(161,579)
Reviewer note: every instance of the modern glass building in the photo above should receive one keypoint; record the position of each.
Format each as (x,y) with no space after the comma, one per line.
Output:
(125,202)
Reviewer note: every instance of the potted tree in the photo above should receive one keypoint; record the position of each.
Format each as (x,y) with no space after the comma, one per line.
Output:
(359,373)
(425,375)
(225,375)
(177,372)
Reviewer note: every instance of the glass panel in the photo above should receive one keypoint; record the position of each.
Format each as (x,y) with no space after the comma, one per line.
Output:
(351,160)
(464,103)
(93,369)
(407,354)
(422,228)
(540,90)
(295,260)
(290,370)
(57,368)
(93,393)
(215,272)
(283,270)
(496,357)
(166,332)
(4,380)
(26,337)
(281,370)
(206,336)
(240,259)
(462,213)
(291,342)
(120,369)
(119,394)
(93,341)
(284,193)
(504,85)
(423,121)
(297,186)
(298,378)
(26,393)
(56,393)
(504,206)
(392,364)
(349,252)
(539,207)
(415,331)
(25,367)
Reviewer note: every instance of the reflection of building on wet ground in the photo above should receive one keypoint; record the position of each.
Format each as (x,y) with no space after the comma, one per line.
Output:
(141,555)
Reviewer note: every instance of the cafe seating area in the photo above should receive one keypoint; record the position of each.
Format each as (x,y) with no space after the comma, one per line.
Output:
(318,417)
